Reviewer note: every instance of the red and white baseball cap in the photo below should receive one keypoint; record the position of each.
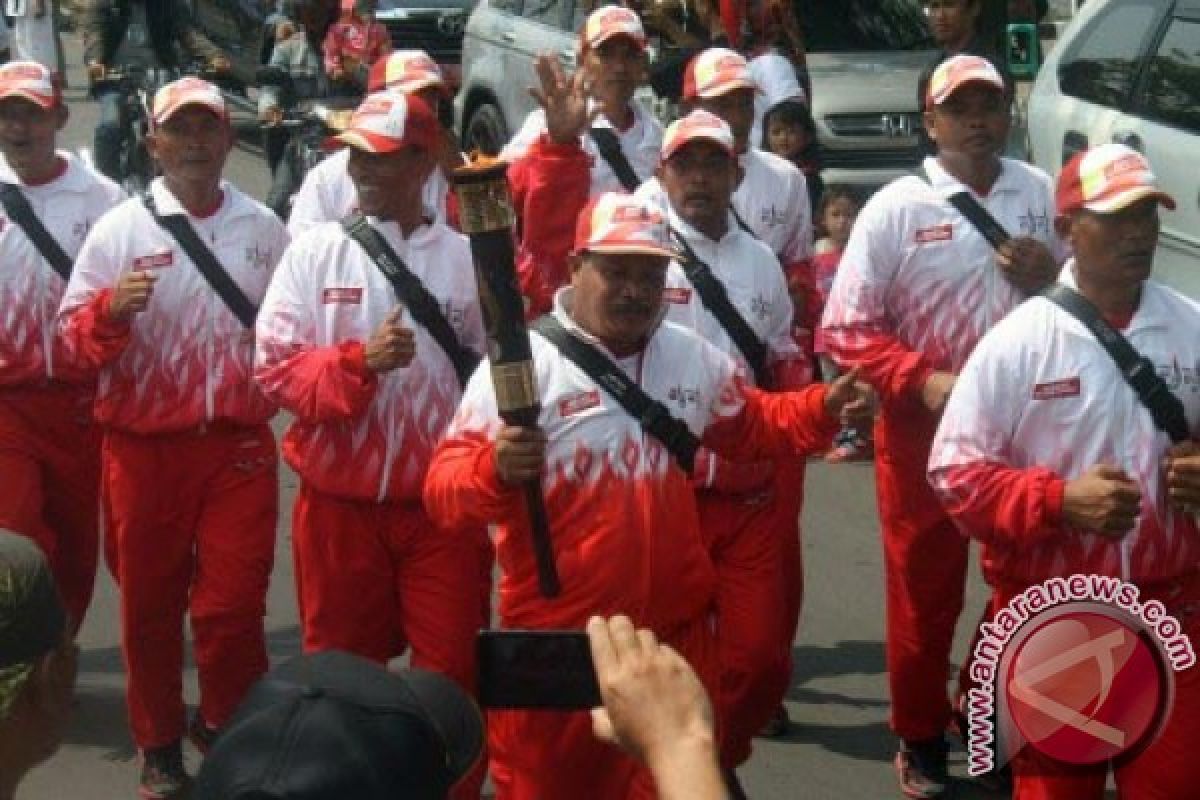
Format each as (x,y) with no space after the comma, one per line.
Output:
(715,72)
(184,92)
(1107,178)
(31,81)
(621,224)
(698,125)
(608,21)
(405,71)
(958,71)
(388,121)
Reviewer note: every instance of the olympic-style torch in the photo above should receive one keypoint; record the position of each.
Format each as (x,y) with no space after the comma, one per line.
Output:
(486,217)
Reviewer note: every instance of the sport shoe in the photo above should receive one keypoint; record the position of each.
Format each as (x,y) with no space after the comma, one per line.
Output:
(201,734)
(921,768)
(163,775)
(778,725)
(1000,779)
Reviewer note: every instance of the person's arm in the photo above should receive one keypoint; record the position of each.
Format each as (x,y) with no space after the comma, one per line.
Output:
(656,709)
(92,334)
(317,384)
(856,325)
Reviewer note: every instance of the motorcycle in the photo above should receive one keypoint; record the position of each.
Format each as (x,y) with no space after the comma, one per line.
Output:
(135,85)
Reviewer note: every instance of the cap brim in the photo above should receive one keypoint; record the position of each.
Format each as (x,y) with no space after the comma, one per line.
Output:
(38,100)
(640,41)
(630,249)
(220,112)
(725,87)
(1124,199)
(668,154)
(958,87)
(364,140)
(453,714)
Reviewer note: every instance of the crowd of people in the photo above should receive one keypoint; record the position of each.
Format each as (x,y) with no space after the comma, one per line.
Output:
(705,318)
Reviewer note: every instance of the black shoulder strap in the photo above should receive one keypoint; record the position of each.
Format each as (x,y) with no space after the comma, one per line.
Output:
(716,300)
(412,293)
(1138,371)
(16,205)
(178,226)
(610,150)
(652,415)
(741,223)
(977,215)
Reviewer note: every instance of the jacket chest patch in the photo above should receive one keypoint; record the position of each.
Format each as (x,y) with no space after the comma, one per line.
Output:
(1067,387)
(578,403)
(936,233)
(154,261)
(338,295)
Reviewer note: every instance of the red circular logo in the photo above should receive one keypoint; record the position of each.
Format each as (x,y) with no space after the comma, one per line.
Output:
(1085,687)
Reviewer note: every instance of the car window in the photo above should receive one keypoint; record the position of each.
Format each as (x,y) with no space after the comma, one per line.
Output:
(863,25)
(1102,63)
(547,12)
(1173,87)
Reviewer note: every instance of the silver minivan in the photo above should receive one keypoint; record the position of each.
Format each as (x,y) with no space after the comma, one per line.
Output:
(864,60)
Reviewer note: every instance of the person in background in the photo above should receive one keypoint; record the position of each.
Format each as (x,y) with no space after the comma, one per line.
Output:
(293,52)
(839,208)
(789,131)
(49,443)
(353,44)
(38,662)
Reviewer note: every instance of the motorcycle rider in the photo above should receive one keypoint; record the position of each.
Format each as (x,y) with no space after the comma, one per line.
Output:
(123,33)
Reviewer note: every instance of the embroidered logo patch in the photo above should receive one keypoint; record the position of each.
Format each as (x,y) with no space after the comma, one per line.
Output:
(342,294)
(1068,387)
(577,403)
(155,261)
(679,295)
(938,233)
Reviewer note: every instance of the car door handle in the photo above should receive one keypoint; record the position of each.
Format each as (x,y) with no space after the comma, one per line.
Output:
(1129,139)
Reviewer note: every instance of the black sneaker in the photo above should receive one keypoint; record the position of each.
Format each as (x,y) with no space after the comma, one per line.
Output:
(163,775)
(921,768)
(1000,779)
(201,734)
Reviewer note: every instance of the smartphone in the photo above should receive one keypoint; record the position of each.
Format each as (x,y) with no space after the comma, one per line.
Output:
(536,670)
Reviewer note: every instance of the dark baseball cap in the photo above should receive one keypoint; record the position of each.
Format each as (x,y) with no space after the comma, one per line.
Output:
(32,619)
(334,726)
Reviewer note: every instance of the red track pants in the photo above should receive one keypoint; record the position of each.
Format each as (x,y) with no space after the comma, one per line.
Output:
(549,755)
(192,521)
(50,470)
(925,563)
(755,546)
(1166,770)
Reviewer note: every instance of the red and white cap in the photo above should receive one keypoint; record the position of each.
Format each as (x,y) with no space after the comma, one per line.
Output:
(958,71)
(405,71)
(31,81)
(184,92)
(698,125)
(1107,178)
(717,71)
(608,21)
(388,121)
(621,224)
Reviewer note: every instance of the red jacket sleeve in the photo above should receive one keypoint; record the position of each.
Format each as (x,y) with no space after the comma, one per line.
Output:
(774,425)
(995,503)
(550,185)
(885,362)
(91,336)
(462,487)
(320,384)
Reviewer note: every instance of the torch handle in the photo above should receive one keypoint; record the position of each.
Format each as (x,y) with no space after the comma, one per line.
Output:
(539,527)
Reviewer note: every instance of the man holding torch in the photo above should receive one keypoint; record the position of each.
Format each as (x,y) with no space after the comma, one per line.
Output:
(618,496)
(373,384)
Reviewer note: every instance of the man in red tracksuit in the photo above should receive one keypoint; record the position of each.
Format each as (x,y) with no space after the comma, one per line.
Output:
(189,462)
(622,512)
(49,446)
(916,289)
(373,390)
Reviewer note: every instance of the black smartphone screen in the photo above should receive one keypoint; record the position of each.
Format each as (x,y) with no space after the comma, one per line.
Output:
(536,669)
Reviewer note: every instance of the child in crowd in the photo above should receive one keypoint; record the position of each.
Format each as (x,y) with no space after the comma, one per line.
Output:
(790,132)
(839,207)
(353,44)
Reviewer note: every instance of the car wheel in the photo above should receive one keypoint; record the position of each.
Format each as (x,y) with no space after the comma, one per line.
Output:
(486,130)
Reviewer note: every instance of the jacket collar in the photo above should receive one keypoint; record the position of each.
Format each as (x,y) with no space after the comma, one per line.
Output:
(234,204)
(943,181)
(75,179)
(1151,313)
(562,313)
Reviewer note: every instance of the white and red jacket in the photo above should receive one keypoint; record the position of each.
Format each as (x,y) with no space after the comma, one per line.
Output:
(30,290)
(918,285)
(622,512)
(1040,402)
(772,200)
(359,434)
(327,195)
(551,183)
(186,360)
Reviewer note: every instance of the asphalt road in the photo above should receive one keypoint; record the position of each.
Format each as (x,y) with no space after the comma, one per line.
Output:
(840,746)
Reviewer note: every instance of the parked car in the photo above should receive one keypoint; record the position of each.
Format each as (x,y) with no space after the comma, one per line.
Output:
(864,60)
(1129,71)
